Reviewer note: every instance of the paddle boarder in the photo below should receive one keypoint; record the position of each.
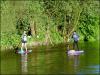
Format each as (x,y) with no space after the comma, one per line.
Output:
(24,41)
(75,37)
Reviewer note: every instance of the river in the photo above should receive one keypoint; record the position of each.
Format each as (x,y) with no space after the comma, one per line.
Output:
(52,60)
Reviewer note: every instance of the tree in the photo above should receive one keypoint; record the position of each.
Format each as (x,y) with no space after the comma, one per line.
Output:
(89,20)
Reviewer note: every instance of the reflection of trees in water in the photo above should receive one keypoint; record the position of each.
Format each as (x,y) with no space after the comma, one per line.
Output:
(76,60)
(54,61)
(47,60)
(34,61)
(24,63)
(76,63)
(73,62)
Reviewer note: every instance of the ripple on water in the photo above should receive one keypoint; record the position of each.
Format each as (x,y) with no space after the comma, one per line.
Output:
(94,69)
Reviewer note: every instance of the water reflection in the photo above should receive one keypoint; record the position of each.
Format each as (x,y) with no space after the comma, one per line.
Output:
(52,60)
(76,60)
(76,63)
(24,63)
(73,63)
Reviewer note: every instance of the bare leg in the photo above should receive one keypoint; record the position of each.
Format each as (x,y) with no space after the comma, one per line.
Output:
(26,46)
(22,46)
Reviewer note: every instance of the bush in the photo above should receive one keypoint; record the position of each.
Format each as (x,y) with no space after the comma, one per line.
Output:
(10,39)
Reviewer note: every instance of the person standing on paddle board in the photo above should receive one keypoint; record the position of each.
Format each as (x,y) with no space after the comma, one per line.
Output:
(24,41)
(75,37)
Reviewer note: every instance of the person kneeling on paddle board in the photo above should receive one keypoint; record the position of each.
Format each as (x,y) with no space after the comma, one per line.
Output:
(76,39)
(24,41)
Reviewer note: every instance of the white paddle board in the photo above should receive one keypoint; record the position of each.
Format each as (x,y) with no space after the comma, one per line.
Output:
(73,52)
(23,51)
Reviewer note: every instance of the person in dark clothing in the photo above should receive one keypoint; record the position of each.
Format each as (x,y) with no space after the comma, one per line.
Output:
(29,32)
(75,37)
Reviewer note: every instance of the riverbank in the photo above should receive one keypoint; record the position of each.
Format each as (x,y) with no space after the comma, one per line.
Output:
(29,45)
(32,44)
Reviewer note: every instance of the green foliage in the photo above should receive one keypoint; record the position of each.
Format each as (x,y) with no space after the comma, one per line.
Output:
(22,25)
(10,39)
(89,22)
(55,16)
(7,17)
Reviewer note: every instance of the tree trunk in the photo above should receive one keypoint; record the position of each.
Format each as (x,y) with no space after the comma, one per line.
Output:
(33,28)
(47,36)
(73,26)
(75,23)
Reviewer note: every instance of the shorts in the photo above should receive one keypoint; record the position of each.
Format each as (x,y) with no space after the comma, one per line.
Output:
(24,41)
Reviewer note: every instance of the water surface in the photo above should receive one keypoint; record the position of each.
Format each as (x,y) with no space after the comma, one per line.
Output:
(52,60)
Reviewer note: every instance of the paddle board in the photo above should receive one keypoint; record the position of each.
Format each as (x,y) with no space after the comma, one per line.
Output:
(23,51)
(73,52)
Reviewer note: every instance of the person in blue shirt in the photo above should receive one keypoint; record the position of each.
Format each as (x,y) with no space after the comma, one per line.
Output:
(24,41)
(75,37)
